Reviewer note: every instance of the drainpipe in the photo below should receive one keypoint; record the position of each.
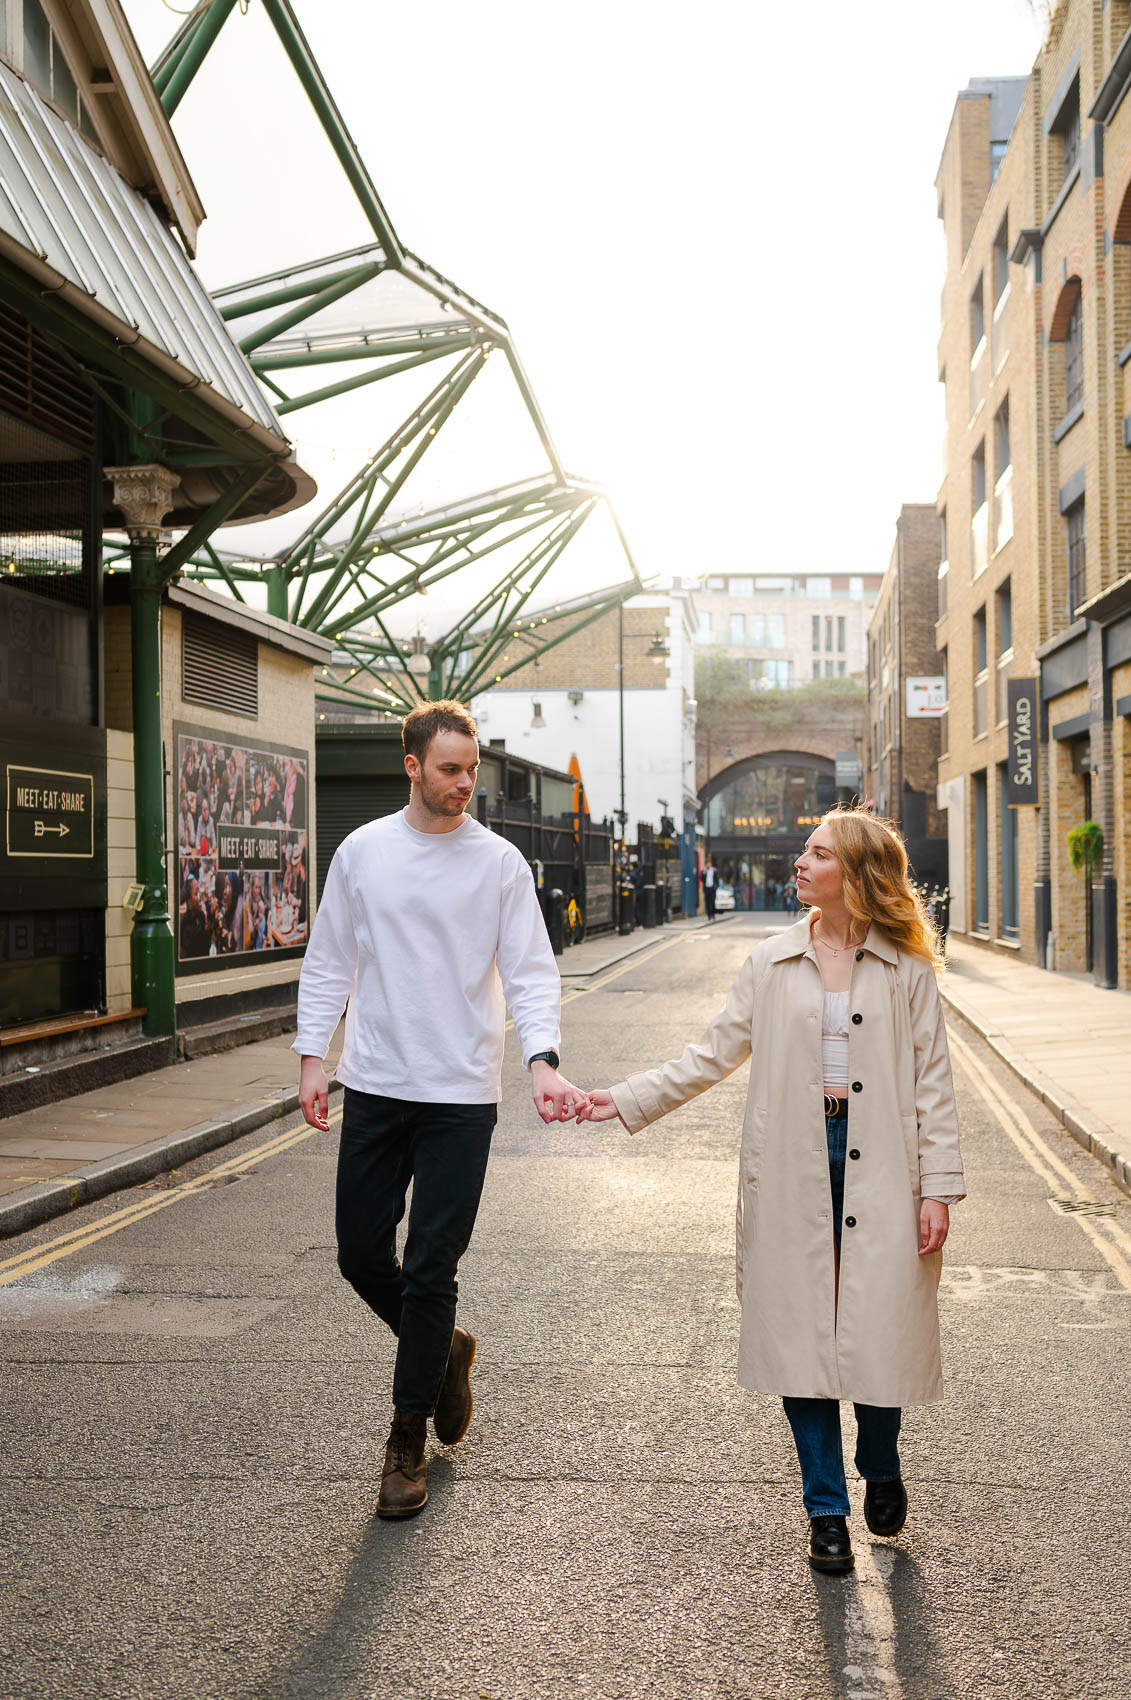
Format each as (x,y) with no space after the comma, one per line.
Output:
(143,495)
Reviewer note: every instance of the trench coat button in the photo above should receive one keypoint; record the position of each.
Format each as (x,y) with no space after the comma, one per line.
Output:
(854,1155)
(850,1221)
(856,1020)
(858,1086)
(859,956)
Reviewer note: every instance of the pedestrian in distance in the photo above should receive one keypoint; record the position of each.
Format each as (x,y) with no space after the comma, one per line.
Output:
(710,879)
(427,923)
(849,1162)
(790,893)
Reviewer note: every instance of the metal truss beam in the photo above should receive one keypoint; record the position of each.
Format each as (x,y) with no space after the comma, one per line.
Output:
(328,579)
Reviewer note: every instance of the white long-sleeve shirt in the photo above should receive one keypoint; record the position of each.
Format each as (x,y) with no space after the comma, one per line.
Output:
(426,934)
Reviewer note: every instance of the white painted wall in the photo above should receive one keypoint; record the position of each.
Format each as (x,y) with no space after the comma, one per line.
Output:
(659,730)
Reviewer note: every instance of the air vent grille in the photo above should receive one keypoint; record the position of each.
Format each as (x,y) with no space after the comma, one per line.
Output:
(219,666)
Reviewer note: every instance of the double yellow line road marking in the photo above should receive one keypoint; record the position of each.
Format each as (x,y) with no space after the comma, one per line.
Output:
(38,1257)
(1109,1237)
(65,1244)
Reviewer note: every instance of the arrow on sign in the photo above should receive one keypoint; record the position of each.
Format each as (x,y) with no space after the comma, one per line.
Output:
(41,827)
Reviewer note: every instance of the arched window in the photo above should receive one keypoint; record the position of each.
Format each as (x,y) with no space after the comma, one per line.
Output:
(1074,356)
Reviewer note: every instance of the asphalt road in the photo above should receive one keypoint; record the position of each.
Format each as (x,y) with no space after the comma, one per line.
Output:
(194,1409)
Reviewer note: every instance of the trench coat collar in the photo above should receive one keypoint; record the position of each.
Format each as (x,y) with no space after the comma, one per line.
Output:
(796,941)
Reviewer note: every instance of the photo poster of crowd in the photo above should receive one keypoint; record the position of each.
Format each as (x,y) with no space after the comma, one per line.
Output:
(242,848)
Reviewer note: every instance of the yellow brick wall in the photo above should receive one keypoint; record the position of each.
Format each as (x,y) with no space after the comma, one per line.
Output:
(286,717)
(120,867)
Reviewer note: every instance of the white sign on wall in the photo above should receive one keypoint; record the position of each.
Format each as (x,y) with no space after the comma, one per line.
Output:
(926,697)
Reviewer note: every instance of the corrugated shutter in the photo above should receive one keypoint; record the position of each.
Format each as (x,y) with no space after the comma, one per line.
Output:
(344,804)
(219,666)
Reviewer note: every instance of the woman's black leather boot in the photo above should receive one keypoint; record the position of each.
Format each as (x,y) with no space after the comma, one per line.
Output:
(830,1547)
(885,1506)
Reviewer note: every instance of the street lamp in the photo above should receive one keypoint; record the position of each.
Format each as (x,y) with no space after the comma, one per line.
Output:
(658,652)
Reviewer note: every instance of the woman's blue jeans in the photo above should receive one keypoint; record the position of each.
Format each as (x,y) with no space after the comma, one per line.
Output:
(816,1422)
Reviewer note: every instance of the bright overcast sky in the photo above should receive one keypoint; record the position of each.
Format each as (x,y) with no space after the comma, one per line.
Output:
(711,229)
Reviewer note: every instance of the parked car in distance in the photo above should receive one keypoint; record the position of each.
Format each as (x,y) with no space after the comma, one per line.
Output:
(724,898)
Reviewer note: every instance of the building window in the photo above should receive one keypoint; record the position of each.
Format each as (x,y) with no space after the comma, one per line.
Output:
(703,633)
(1003,474)
(815,587)
(816,631)
(44,65)
(829,666)
(981,675)
(841,667)
(841,628)
(777,673)
(816,669)
(1077,562)
(1067,127)
(777,631)
(738,628)
(997,154)
(1009,868)
(742,587)
(828,631)
(1001,260)
(716,584)
(977,319)
(856,588)
(1074,355)
(1004,618)
(756,630)
(981,854)
(978,476)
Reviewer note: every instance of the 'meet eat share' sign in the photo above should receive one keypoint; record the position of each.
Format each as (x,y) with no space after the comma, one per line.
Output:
(49,813)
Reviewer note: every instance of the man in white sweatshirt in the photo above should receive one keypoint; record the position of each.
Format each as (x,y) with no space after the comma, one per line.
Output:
(428,922)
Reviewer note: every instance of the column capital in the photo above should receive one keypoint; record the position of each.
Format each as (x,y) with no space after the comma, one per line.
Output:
(143,496)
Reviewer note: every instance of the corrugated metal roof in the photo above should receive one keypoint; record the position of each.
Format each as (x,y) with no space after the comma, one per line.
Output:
(64,203)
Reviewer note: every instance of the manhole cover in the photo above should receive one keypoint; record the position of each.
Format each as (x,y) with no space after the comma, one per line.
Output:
(1080,1207)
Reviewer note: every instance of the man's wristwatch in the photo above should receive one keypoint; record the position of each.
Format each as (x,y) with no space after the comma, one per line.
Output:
(550,1057)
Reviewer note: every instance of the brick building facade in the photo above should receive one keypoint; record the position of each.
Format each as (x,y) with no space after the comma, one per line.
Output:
(1035,197)
(904,670)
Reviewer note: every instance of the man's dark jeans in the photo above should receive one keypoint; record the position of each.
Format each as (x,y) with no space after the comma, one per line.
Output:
(442,1149)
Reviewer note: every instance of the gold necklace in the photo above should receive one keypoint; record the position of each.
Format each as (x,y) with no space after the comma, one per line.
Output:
(849,944)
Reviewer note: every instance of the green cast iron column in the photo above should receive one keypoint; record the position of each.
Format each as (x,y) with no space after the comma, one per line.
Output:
(143,494)
(277,601)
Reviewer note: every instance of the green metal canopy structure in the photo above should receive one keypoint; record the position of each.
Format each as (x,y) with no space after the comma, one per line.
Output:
(334,325)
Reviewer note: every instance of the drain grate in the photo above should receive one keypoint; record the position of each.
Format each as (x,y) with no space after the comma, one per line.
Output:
(1080,1207)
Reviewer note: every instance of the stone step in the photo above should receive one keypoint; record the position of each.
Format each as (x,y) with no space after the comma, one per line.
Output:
(214,1036)
(49,1082)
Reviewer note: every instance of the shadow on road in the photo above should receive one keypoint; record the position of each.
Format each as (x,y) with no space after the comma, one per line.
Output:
(343,1660)
(878,1632)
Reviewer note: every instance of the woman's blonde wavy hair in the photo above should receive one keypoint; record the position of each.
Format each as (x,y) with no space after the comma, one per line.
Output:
(877,886)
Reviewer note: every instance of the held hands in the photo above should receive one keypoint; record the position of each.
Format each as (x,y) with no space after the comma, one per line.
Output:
(934,1225)
(601,1107)
(555,1098)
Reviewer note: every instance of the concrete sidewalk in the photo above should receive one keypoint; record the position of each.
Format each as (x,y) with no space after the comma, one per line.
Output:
(1069,1041)
(61,1155)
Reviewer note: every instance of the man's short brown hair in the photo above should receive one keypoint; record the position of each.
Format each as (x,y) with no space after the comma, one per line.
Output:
(421,724)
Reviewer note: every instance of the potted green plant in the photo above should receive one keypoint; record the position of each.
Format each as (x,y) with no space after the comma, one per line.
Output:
(1085,847)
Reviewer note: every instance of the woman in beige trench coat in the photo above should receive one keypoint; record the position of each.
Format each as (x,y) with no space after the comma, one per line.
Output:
(849,1162)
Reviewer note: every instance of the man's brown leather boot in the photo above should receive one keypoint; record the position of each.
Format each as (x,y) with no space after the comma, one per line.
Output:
(455,1404)
(404,1478)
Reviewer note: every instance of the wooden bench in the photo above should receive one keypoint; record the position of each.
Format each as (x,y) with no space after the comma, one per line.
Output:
(63,1024)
